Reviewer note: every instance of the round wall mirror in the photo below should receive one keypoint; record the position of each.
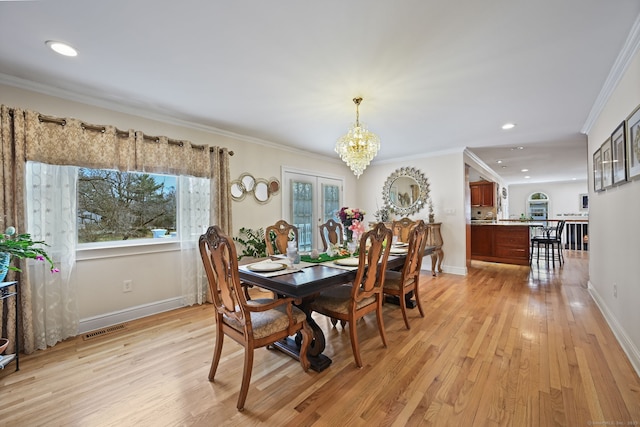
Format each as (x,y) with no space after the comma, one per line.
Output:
(237,190)
(261,191)
(248,182)
(406,191)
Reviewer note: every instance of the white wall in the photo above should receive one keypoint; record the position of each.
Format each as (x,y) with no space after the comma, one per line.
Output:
(445,173)
(615,228)
(564,197)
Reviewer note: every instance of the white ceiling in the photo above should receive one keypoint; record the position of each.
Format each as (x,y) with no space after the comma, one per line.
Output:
(435,75)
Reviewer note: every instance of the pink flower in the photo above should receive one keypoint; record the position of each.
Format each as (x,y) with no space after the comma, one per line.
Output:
(358,229)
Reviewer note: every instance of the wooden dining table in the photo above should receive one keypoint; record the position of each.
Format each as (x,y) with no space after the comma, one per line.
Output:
(303,285)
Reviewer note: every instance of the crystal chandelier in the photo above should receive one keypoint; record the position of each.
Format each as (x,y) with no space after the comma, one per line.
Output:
(359,146)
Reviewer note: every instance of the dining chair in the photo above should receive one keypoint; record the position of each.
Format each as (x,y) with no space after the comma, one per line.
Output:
(252,324)
(282,231)
(331,232)
(550,240)
(402,228)
(350,302)
(406,282)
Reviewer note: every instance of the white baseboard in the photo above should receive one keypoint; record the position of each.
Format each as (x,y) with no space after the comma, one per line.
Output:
(132,313)
(625,342)
(462,271)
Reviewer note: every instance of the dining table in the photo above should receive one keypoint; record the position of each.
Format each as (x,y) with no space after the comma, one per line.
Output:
(303,282)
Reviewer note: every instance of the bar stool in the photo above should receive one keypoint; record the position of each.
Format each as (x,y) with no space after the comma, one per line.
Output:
(550,240)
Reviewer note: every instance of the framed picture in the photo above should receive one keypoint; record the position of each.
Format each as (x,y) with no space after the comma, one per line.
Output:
(597,170)
(607,170)
(619,155)
(584,202)
(633,144)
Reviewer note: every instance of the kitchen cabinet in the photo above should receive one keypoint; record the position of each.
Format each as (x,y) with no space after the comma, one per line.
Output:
(482,193)
(507,244)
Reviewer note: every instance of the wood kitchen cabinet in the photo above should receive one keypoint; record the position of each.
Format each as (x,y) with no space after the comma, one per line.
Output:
(482,193)
(500,243)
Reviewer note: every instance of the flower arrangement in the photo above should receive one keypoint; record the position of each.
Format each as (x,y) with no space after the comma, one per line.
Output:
(347,217)
(348,214)
(22,246)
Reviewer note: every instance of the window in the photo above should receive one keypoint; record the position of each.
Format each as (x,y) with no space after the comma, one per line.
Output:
(118,206)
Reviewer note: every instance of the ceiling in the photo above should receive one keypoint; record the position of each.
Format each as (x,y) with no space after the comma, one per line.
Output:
(435,76)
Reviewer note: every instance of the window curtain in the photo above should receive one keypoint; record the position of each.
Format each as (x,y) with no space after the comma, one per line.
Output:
(12,152)
(193,216)
(51,216)
(221,187)
(30,136)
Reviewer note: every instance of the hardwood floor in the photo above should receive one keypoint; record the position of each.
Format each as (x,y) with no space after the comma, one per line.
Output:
(501,346)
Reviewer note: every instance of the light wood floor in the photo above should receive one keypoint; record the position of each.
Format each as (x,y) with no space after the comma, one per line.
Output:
(501,346)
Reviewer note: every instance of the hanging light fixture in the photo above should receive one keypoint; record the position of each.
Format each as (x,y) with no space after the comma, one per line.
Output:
(359,146)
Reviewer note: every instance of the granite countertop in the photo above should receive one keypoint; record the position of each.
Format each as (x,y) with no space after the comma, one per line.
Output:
(508,223)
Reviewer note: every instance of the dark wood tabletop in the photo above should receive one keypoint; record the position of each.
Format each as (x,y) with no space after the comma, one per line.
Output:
(303,285)
(312,280)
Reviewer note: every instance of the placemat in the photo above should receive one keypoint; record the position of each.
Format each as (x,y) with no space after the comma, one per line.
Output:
(296,268)
(334,265)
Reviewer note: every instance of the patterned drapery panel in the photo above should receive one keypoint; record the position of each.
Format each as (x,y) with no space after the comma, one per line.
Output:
(58,141)
(221,187)
(159,154)
(12,200)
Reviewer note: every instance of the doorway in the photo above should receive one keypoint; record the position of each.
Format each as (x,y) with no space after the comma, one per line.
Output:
(538,206)
(310,199)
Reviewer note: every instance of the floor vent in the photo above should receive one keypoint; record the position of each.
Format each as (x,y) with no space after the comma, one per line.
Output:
(104,331)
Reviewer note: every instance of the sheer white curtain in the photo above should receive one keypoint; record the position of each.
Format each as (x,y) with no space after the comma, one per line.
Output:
(51,216)
(194,201)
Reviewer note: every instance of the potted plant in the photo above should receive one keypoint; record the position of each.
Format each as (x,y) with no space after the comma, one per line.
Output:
(20,246)
(253,242)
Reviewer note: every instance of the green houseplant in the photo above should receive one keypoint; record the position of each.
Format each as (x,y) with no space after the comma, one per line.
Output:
(21,246)
(253,243)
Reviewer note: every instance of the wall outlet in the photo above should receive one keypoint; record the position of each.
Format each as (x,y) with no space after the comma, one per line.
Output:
(127,286)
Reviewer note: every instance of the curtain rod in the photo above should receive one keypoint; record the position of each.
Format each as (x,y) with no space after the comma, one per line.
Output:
(63,122)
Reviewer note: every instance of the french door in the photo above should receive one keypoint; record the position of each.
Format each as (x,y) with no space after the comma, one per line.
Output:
(308,201)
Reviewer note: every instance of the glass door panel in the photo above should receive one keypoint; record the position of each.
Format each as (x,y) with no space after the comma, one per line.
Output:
(310,200)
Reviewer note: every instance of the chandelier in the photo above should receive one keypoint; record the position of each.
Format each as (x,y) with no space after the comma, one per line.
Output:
(359,146)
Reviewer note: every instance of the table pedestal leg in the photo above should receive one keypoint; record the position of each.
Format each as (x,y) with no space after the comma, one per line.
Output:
(319,362)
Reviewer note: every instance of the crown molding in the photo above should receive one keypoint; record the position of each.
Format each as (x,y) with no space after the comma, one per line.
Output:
(629,49)
(482,164)
(150,115)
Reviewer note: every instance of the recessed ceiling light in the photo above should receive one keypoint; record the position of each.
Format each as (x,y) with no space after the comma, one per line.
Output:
(527,177)
(524,170)
(498,161)
(508,126)
(517,148)
(61,48)
(503,166)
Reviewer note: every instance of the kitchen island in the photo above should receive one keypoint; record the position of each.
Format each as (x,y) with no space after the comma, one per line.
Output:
(506,242)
